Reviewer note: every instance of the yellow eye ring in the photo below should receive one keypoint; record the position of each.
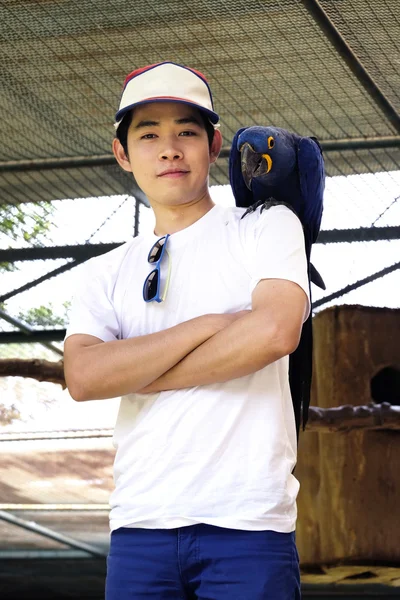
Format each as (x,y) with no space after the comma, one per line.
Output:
(271,142)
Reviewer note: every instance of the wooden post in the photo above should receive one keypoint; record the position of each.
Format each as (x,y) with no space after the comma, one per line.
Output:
(350,481)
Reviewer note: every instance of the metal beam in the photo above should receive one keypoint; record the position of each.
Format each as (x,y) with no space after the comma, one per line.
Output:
(61,162)
(82,252)
(361,234)
(364,143)
(74,434)
(49,533)
(353,62)
(34,337)
(42,554)
(357,284)
(26,332)
(99,160)
(57,507)
(36,282)
(78,252)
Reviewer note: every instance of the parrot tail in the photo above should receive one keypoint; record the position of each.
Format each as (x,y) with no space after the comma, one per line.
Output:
(316,277)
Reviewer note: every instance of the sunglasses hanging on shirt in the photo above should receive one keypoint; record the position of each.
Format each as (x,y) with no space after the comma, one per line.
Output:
(152,284)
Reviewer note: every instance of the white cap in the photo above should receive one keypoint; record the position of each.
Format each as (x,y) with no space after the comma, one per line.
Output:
(166,82)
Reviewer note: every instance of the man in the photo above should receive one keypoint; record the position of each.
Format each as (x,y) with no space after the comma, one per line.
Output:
(192,325)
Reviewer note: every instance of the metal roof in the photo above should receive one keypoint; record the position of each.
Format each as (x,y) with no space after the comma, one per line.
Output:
(328,69)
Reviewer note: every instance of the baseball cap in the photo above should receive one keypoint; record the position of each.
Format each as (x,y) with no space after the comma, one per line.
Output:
(166,82)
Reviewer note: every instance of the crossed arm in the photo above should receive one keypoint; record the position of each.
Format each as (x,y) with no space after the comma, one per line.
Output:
(257,338)
(209,349)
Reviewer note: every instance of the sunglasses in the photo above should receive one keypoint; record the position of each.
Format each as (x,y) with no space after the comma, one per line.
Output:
(151,286)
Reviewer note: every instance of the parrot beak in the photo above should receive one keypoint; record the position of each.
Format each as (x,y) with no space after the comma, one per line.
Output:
(253,164)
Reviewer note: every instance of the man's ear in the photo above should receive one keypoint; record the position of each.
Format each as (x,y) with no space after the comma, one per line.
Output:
(216,146)
(120,155)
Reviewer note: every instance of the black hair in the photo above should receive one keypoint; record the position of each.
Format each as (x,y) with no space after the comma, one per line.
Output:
(122,131)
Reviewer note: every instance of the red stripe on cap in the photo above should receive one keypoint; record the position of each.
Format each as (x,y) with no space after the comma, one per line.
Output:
(137,72)
(199,73)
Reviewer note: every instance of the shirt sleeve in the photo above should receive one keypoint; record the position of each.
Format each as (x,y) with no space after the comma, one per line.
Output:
(279,249)
(92,311)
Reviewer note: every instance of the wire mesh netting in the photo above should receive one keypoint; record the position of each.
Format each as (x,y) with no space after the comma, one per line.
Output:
(63,66)
(271,62)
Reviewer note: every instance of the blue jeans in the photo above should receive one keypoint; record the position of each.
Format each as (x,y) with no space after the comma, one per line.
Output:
(202,562)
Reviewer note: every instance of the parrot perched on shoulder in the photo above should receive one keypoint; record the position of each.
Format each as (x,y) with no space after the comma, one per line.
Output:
(270,166)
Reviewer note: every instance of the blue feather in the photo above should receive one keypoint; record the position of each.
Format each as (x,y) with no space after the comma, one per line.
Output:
(312,184)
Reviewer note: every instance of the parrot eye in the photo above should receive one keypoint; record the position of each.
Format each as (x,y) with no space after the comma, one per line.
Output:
(271,142)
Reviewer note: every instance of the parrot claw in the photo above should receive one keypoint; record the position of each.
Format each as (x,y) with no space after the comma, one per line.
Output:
(252,208)
(272,202)
(266,204)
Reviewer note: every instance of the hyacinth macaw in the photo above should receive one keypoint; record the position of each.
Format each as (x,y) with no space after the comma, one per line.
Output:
(269,166)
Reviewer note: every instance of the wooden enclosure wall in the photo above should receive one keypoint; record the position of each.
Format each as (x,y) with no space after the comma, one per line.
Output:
(349,500)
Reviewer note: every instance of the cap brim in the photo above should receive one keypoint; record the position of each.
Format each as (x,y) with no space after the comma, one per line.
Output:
(212,116)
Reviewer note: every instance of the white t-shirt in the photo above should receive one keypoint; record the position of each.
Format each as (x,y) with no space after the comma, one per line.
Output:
(220,454)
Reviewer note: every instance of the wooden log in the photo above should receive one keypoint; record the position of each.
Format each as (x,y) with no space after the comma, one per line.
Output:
(41,370)
(373,417)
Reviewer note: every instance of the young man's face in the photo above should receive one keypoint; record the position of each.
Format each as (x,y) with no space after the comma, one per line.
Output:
(169,153)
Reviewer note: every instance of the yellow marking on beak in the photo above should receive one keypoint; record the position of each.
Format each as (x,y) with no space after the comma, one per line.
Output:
(269,161)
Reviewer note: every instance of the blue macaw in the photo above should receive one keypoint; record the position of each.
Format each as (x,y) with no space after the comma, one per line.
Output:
(269,166)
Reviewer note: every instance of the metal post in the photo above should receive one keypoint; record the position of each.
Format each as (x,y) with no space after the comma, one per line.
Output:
(49,533)
(137,218)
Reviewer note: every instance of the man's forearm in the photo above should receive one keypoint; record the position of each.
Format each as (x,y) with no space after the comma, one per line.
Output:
(243,347)
(107,370)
